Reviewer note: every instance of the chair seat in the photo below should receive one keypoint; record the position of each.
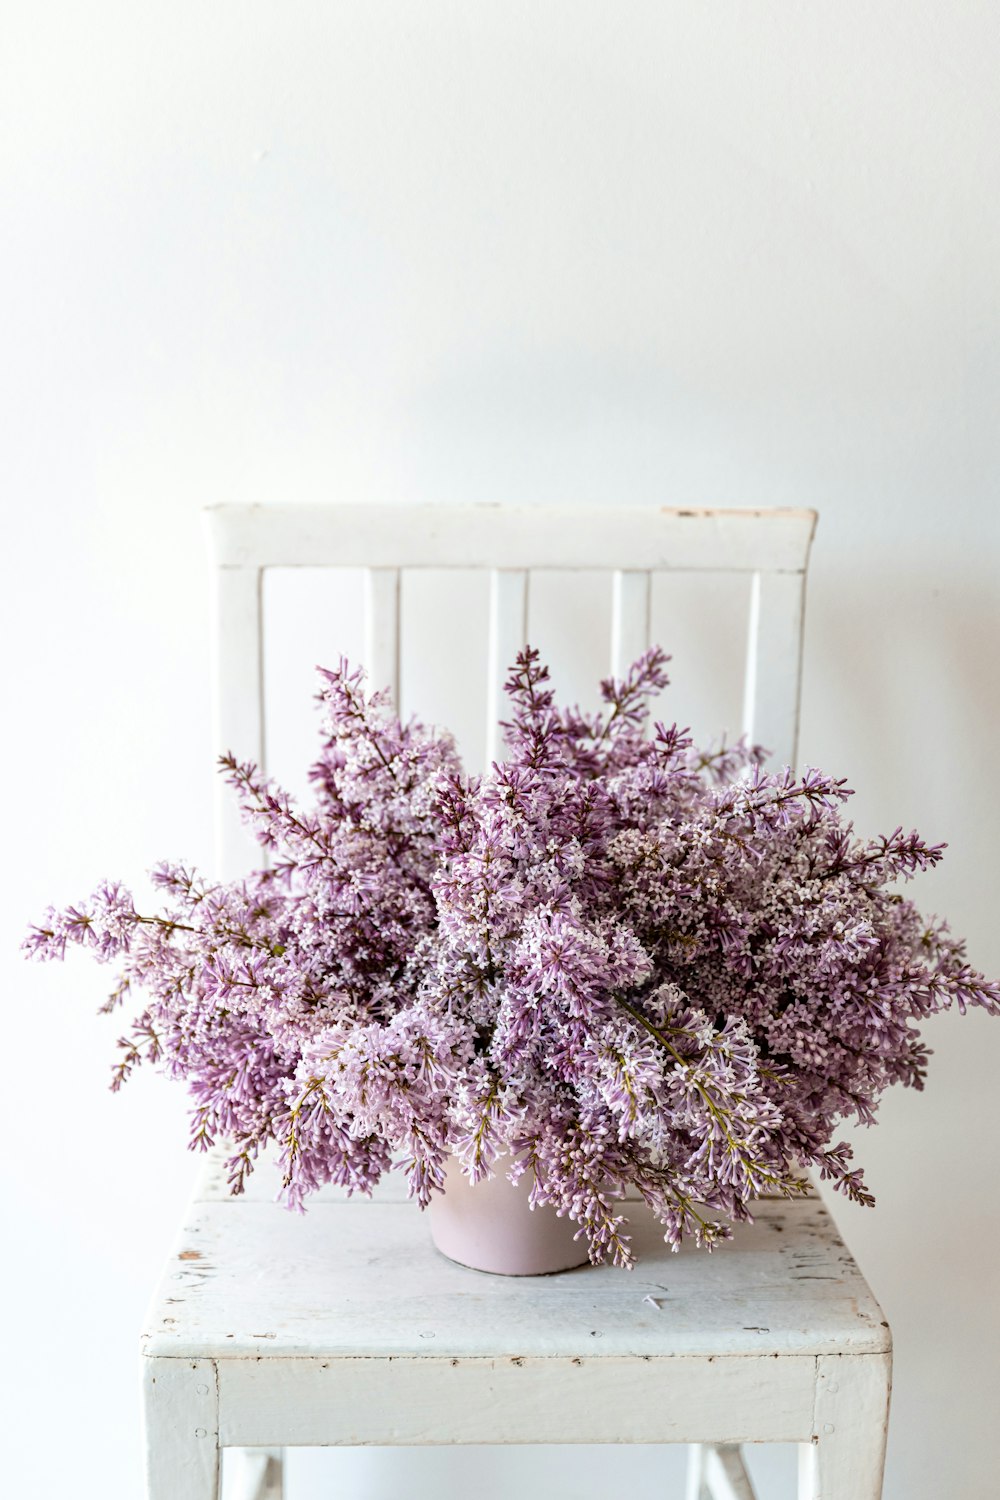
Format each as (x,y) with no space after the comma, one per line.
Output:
(355,1278)
(346,1326)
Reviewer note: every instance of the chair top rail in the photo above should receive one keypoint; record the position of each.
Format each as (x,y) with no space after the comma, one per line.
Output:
(650,538)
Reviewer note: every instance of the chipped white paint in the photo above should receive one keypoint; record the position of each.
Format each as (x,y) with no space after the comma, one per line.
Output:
(347,1327)
(354,1275)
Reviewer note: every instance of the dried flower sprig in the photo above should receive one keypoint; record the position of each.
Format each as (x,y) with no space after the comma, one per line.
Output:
(615,959)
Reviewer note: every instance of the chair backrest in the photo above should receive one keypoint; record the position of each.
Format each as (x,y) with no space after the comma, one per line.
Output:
(630,543)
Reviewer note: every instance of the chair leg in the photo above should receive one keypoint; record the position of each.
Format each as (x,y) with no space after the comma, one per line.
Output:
(274,1475)
(181,1426)
(716,1471)
(846,1458)
(253,1474)
(696,1488)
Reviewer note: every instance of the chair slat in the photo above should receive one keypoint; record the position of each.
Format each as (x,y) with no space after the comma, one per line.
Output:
(382,587)
(508,633)
(774,664)
(630,601)
(238,706)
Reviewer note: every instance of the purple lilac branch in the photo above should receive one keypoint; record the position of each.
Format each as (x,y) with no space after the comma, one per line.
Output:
(616,960)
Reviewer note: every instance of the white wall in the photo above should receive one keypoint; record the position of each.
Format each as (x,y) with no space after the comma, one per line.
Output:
(740,254)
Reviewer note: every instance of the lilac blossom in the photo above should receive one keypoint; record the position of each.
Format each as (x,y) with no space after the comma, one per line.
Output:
(615,960)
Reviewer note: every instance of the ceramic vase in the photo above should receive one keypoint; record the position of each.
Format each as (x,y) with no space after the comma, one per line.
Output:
(491,1226)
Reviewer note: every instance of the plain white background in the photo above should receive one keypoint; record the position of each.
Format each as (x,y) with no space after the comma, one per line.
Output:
(647,252)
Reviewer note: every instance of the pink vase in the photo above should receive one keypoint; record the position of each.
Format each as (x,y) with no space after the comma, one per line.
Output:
(492,1227)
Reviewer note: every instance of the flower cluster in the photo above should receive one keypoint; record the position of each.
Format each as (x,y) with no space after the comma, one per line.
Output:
(614,961)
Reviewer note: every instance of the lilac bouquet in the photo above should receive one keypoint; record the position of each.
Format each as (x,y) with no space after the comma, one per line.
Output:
(614,961)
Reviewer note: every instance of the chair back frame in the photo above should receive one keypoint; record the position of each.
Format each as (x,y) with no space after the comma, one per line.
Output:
(508,542)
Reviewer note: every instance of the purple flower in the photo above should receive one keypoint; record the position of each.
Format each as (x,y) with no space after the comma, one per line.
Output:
(614,960)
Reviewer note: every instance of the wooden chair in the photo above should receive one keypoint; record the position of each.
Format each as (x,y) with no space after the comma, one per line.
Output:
(347,1327)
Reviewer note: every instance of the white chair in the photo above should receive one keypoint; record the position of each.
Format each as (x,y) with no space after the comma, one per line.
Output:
(346,1327)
